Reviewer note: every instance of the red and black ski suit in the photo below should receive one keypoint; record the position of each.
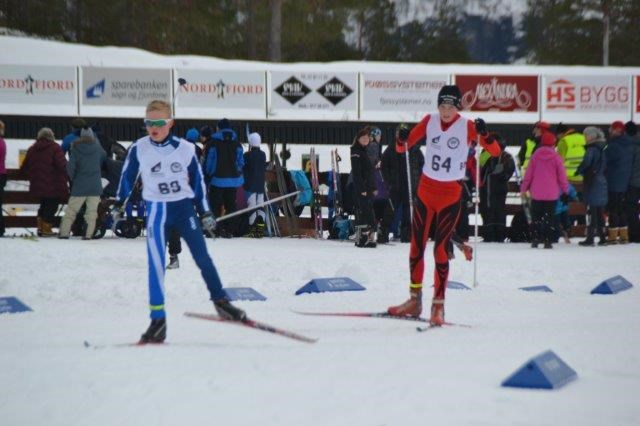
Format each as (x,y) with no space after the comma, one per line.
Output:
(439,190)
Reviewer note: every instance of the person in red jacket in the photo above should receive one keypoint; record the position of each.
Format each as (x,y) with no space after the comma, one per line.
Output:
(46,169)
(448,139)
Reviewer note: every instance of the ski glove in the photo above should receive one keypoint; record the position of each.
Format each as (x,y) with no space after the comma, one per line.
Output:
(208,222)
(403,134)
(481,127)
(564,198)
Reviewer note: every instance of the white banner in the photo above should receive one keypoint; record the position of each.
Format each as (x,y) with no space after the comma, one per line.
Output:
(122,92)
(216,94)
(399,97)
(586,99)
(312,95)
(38,90)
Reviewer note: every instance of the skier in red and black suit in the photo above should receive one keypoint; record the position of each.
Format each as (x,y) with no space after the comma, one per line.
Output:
(448,139)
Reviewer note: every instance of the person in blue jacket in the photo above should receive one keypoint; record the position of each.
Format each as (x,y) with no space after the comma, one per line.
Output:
(255,161)
(76,125)
(562,220)
(593,168)
(223,166)
(619,164)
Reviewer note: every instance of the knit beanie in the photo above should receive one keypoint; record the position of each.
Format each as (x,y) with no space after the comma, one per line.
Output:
(192,135)
(224,124)
(254,140)
(87,133)
(450,95)
(631,128)
(548,139)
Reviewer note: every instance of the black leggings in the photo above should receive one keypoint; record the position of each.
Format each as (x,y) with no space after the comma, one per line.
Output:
(542,213)
(616,208)
(48,209)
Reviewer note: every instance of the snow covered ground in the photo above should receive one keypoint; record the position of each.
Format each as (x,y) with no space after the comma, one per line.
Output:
(360,372)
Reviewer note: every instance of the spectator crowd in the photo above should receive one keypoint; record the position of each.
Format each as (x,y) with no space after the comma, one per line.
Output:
(556,168)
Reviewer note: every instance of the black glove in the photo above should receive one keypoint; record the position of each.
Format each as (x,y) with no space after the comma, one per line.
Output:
(208,222)
(564,198)
(403,134)
(481,127)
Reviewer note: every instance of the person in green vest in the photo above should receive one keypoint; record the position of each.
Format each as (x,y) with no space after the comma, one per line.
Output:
(571,147)
(531,144)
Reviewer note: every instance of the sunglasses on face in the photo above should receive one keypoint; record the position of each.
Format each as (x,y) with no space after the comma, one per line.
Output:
(157,123)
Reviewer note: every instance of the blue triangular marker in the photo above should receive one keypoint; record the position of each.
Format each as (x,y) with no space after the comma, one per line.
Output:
(612,285)
(321,285)
(542,288)
(544,371)
(12,305)
(243,293)
(457,285)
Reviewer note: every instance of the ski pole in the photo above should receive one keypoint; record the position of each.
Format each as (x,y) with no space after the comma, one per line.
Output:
(476,202)
(257,206)
(406,158)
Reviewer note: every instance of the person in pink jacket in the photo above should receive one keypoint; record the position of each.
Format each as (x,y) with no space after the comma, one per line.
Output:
(545,178)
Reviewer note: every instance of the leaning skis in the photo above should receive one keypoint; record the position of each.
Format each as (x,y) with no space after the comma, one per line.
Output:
(316,207)
(254,324)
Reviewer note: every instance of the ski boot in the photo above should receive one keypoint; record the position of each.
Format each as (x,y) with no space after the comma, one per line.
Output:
(410,308)
(227,311)
(156,333)
(588,242)
(174,262)
(535,243)
(548,245)
(437,312)
(371,239)
(623,234)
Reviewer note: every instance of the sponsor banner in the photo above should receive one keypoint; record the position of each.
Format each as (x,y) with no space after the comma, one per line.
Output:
(500,98)
(218,93)
(399,97)
(636,113)
(586,99)
(313,95)
(38,90)
(499,93)
(122,92)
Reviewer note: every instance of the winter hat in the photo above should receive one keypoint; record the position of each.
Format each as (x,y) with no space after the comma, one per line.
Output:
(205,132)
(224,124)
(618,125)
(593,134)
(561,128)
(87,133)
(542,125)
(375,131)
(254,140)
(46,133)
(548,139)
(450,95)
(192,135)
(631,128)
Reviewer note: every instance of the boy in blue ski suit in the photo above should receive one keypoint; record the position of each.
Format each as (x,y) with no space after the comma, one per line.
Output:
(172,186)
